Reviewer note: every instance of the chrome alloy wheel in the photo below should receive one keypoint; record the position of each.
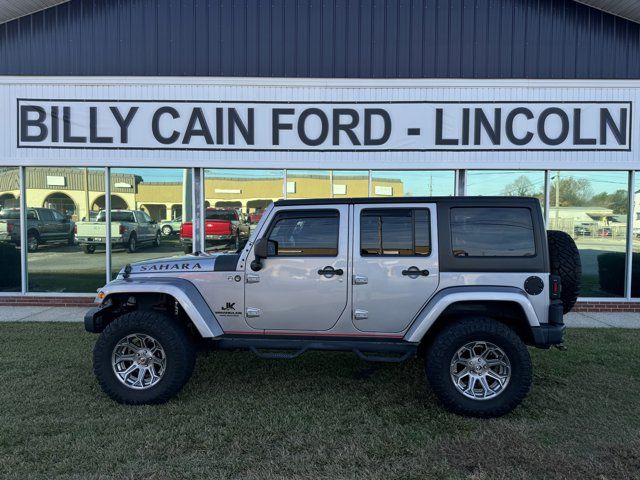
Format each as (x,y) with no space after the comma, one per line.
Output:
(480,370)
(139,361)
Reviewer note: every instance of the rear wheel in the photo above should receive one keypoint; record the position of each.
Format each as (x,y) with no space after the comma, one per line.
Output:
(167,230)
(143,358)
(89,249)
(156,242)
(132,246)
(33,241)
(479,367)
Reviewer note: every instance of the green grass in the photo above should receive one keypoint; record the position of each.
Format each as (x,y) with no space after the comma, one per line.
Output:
(321,416)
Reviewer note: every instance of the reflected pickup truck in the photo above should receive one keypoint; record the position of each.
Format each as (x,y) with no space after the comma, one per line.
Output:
(129,229)
(44,225)
(463,285)
(222,227)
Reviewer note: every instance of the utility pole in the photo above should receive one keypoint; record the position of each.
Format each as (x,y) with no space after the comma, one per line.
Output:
(86,196)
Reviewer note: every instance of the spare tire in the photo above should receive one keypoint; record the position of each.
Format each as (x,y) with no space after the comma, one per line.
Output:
(564,260)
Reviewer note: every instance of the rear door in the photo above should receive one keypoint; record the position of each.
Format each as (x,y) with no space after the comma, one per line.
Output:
(395,264)
(302,286)
(47,227)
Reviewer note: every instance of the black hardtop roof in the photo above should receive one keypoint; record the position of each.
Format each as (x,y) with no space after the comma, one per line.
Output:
(466,201)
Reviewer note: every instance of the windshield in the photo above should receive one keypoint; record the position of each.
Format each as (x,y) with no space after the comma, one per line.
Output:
(221,215)
(116,216)
(10,214)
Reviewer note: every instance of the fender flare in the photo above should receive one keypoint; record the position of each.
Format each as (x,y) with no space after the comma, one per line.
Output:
(182,290)
(443,299)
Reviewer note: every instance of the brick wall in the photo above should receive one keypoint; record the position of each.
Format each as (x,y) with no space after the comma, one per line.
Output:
(30,301)
(607,307)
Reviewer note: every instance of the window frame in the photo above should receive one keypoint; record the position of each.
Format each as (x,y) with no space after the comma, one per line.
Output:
(293,213)
(413,232)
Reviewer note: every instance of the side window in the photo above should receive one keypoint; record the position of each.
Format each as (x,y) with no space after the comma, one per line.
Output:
(31,215)
(306,233)
(57,215)
(46,215)
(492,232)
(395,231)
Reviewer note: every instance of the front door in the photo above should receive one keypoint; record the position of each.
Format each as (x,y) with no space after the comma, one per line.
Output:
(302,285)
(395,264)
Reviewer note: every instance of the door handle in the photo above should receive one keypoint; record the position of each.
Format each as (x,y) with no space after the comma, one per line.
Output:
(329,271)
(415,272)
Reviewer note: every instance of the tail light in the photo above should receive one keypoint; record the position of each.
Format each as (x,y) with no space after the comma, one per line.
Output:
(555,287)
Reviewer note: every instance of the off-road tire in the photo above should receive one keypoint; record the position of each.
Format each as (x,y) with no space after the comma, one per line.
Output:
(132,244)
(180,354)
(88,249)
(442,349)
(564,259)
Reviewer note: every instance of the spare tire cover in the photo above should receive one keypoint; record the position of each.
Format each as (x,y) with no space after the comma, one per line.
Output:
(564,260)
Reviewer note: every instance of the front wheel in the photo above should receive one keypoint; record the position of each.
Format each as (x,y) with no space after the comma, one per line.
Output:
(167,230)
(156,242)
(479,367)
(143,358)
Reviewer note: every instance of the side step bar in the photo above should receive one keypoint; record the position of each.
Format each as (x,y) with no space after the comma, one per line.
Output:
(287,349)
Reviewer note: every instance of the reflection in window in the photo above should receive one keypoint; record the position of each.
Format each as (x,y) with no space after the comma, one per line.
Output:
(350,183)
(592,207)
(9,230)
(247,193)
(306,235)
(308,184)
(59,202)
(510,183)
(143,221)
(635,269)
(412,183)
(492,232)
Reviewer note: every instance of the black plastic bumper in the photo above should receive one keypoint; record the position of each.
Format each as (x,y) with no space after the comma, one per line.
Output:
(96,319)
(548,334)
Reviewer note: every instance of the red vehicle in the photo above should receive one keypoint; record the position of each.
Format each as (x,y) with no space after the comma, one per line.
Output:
(222,227)
(605,232)
(255,217)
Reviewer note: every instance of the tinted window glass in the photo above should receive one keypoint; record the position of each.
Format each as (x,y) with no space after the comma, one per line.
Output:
(492,232)
(306,235)
(57,215)
(229,215)
(10,213)
(46,215)
(398,231)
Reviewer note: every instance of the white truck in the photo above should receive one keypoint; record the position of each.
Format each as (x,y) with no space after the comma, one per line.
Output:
(129,229)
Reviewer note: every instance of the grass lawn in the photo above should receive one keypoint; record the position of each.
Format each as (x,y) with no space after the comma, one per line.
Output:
(320,416)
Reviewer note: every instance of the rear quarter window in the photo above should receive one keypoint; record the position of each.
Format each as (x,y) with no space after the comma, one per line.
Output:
(492,232)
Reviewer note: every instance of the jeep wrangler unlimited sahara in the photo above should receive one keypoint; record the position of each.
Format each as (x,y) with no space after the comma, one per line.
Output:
(464,283)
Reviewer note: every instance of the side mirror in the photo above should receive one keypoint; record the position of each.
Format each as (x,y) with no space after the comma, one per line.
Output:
(264,248)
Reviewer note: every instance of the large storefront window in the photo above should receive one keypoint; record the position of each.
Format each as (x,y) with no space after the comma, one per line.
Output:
(350,183)
(592,207)
(9,229)
(510,183)
(308,184)
(235,201)
(635,267)
(406,183)
(61,202)
(149,208)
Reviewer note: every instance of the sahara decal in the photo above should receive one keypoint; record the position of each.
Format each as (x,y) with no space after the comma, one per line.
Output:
(163,267)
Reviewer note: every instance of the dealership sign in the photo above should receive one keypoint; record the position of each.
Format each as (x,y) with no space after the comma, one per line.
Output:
(407,126)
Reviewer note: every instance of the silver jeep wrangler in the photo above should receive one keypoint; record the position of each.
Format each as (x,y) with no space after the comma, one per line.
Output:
(464,283)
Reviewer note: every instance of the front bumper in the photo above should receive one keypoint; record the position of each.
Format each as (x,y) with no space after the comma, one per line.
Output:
(97,318)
